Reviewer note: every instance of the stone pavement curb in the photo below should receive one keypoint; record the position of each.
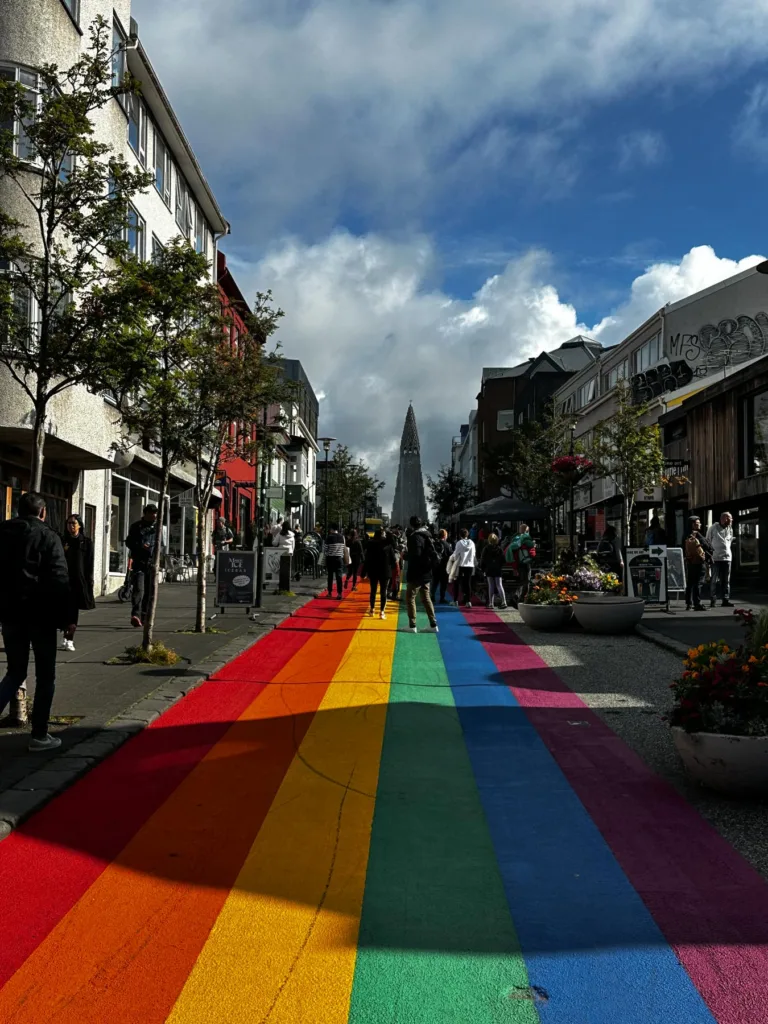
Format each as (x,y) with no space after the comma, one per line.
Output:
(675,646)
(45,780)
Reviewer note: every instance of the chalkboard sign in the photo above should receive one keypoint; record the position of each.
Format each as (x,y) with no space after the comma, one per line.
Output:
(235,578)
(675,570)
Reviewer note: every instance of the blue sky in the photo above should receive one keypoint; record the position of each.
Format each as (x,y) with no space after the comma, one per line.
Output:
(431,186)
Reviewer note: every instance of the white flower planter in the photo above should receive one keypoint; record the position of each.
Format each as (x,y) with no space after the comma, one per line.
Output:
(607,613)
(546,616)
(729,764)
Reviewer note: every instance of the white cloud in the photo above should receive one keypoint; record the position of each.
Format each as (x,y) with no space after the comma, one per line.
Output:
(640,149)
(373,333)
(305,108)
(750,133)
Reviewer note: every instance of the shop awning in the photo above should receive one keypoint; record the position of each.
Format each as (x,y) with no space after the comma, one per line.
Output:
(502,508)
(56,449)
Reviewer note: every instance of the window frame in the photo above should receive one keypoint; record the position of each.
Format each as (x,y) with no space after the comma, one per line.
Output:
(18,70)
(135,105)
(119,57)
(185,207)
(748,445)
(72,7)
(141,234)
(166,193)
(157,246)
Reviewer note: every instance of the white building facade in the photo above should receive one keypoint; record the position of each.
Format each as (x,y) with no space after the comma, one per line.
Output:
(82,472)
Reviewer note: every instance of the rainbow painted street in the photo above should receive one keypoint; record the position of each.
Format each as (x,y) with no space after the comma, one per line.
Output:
(351,823)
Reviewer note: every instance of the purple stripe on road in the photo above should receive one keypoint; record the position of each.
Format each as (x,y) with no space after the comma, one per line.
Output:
(710,904)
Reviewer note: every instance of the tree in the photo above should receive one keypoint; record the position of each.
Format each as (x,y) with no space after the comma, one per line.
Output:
(525,462)
(227,388)
(348,484)
(449,493)
(628,451)
(57,330)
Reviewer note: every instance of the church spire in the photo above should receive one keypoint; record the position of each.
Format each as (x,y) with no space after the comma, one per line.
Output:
(409,489)
(409,445)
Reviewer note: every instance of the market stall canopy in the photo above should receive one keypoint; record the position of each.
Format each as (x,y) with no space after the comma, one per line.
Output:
(502,509)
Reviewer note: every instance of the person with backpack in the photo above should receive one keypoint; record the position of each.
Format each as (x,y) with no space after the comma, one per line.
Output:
(521,553)
(492,563)
(35,600)
(697,551)
(444,549)
(423,564)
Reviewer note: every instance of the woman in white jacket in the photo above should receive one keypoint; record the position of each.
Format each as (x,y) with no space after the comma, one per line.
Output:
(461,567)
(285,539)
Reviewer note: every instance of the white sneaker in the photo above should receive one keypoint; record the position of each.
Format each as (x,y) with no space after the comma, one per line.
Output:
(411,629)
(67,645)
(48,743)
(382,615)
(432,629)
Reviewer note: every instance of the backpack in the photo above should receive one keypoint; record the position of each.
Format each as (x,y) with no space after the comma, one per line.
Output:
(435,557)
(694,552)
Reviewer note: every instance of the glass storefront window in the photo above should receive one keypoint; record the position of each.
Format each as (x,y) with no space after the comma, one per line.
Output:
(748,532)
(756,409)
(117,525)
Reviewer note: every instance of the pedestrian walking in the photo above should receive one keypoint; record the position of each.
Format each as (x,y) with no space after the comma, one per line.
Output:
(698,552)
(380,561)
(78,551)
(423,562)
(462,562)
(355,547)
(141,547)
(492,564)
(444,549)
(521,553)
(720,538)
(334,558)
(34,603)
(655,534)
(223,537)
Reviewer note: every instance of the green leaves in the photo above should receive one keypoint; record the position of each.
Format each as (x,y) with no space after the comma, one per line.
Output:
(349,482)
(525,462)
(449,493)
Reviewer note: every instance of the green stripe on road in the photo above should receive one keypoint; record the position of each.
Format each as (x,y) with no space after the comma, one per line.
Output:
(437,944)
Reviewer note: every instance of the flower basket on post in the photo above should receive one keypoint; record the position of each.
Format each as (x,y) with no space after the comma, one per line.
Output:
(572,468)
(720,716)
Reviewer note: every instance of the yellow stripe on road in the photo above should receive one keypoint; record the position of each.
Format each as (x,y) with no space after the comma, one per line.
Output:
(284,946)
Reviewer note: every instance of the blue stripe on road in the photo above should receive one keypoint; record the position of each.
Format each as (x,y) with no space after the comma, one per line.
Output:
(594,953)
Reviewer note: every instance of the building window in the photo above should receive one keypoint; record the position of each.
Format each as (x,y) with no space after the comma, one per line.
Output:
(119,42)
(134,233)
(30,83)
(201,231)
(157,248)
(586,393)
(73,6)
(162,168)
(137,128)
(183,203)
(649,354)
(611,377)
(756,433)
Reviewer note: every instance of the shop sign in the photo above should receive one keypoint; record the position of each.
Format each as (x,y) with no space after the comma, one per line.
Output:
(235,578)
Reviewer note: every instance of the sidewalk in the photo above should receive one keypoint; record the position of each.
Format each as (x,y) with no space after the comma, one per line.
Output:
(97,706)
(690,628)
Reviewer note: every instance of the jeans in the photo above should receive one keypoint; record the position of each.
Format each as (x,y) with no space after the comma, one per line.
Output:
(464,582)
(141,581)
(380,583)
(721,573)
(333,565)
(496,588)
(441,584)
(694,572)
(353,571)
(426,600)
(17,638)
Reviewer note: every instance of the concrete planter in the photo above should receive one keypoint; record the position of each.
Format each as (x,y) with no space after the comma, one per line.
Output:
(728,764)
(607,613)
(546,616)
(595,595)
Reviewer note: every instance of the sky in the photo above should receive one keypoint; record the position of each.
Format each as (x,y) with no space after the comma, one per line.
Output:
(433,186)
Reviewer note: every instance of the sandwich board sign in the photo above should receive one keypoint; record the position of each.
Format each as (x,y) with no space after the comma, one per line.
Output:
(235,578)
(647,574)
(675,571)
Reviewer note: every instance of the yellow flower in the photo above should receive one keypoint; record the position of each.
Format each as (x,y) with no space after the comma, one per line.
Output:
(692,652)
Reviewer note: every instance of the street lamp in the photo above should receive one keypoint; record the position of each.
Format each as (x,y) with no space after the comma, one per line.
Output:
(572,451)
(327,442)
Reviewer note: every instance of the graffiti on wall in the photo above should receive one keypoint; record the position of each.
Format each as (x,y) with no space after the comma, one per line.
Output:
(727,343)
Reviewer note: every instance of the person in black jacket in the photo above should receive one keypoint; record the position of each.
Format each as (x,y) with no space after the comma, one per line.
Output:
(334,558)
(423,562)
(380,562)
(355,546)
(141,547)
(444,549)
(78,551)
(34,602)
(492,564)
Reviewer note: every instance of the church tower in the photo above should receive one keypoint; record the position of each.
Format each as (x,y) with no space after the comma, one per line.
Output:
(409,490)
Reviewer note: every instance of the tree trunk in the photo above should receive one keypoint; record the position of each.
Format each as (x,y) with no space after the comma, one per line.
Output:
(38,449)
(202,575)
(626,515)
(149,624)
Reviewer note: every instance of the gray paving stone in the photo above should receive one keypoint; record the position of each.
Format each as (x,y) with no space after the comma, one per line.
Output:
(53,781)
(16,805)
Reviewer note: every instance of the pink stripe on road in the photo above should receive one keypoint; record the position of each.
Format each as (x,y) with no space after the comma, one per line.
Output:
(709,903)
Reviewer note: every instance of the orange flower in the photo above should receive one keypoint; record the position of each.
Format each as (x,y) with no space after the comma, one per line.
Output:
(752,659)
(745,668)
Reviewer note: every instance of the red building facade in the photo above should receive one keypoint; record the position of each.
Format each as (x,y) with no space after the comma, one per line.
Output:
(237,474)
